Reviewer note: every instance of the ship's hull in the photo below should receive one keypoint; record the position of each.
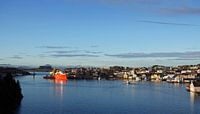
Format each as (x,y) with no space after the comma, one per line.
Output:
(61,76)
(57,77)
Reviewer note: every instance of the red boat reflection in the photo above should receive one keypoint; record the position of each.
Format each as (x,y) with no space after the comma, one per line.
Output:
(59,81)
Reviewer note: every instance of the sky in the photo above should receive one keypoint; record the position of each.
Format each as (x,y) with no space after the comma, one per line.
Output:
(100,32)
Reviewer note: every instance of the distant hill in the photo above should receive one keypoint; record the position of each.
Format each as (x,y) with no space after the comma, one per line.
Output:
(13,71)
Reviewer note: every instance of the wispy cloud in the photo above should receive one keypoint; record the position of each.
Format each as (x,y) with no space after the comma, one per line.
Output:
(186,59)
(16,57)
(63,52)
(181,10)
(42,55)
(53,47)
(71,53)
(179,55)
(182,7)
(74,55)
(22,53)
(167,23)
(94,46)
(93,52)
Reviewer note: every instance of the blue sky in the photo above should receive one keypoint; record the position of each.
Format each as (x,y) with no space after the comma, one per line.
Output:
(100,32)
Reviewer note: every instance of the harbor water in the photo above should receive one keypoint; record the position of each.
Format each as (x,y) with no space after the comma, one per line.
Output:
(104,97)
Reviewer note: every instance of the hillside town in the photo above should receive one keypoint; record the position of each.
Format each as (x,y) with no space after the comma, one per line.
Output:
(178,74)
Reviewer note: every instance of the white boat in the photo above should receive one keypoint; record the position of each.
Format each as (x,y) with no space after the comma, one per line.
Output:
(194,87)
(99,78)
(137,79)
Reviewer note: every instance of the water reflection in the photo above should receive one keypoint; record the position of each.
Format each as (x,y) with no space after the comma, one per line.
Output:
(60,82)
(194,98)
(83,96)
(59,88)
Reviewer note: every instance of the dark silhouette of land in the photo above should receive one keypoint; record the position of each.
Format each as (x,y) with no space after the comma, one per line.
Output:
(10,94)
(13,71)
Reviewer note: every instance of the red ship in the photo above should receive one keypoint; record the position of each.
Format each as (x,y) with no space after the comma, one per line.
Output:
(56,74)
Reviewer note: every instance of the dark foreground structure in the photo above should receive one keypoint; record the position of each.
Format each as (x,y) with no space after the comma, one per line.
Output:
(10,94)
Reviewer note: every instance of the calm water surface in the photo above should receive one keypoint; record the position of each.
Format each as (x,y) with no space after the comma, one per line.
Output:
(102,97)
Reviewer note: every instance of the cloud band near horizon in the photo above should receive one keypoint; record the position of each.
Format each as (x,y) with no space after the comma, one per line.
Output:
(73,55)
(179,55)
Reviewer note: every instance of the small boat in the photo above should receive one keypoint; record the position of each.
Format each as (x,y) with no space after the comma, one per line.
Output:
(99,78)
(137,79)
(194,87)
(130,82)
(56,74)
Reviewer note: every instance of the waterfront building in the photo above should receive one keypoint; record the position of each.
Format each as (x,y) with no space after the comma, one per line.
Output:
(125,75)
(156,76)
